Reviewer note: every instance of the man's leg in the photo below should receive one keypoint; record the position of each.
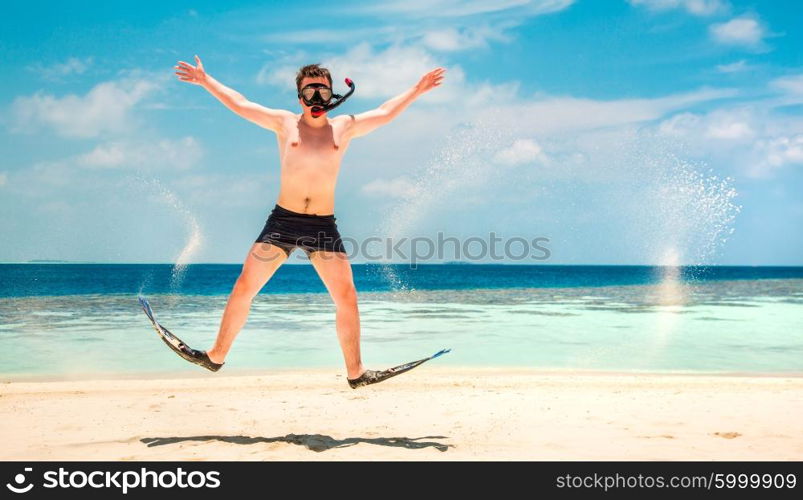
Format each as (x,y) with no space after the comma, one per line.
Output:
(262,261)
(335,272)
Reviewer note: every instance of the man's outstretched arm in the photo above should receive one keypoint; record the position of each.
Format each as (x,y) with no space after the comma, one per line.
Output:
(366,122)
(268,118)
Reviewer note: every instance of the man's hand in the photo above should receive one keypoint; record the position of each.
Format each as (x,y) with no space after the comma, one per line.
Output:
(192,74)
(430,80)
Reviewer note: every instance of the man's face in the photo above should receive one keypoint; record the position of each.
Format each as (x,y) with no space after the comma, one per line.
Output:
(307,80)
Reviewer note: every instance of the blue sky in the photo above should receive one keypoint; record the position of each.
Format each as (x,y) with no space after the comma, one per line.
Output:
(626,132)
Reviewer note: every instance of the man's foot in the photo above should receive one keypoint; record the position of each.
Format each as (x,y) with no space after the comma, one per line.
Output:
(369,377)
(214,357)
(373,376)
(202,358)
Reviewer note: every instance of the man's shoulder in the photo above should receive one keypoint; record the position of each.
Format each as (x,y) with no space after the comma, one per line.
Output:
(344,121)
(286,113)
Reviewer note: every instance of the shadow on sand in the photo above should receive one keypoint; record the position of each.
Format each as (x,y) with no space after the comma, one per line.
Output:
(314,442)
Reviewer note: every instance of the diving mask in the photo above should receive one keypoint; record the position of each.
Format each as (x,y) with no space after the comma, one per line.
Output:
(319,97)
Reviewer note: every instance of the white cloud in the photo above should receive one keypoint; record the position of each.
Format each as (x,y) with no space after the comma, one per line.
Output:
(778,152)
(454,39)
(102,165)
(105,156)
(730,130)
(549,115)
(165,153)
(695,7)
(105,108)
(72,65)
(750,139)
(721,124)
(745,31)
(734,67)
(442,37)
(399,187)
(679,125)
(282,68)
(392,71)
(461,8)
(520,152)
(790,84)
(460,24)
(328,35)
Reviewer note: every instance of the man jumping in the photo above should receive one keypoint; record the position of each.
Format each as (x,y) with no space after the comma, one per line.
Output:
(311,149)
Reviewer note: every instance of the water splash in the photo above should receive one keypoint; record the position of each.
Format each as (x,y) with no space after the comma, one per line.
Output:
(194,239)
(686,216)
(464,159)
(692,212)
(192,245)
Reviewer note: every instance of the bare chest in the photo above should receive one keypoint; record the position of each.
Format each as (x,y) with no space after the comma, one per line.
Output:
(299,140)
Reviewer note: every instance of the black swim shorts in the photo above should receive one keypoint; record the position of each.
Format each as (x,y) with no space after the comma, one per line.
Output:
(289,230)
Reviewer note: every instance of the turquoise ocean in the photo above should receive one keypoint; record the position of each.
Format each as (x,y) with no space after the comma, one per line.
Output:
(63,320)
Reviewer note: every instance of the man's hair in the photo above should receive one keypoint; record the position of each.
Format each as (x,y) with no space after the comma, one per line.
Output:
(312,71)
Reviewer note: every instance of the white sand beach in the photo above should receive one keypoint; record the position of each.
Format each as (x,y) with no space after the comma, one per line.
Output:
(433,413)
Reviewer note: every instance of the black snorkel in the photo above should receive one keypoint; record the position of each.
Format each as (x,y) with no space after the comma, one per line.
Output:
(319,106)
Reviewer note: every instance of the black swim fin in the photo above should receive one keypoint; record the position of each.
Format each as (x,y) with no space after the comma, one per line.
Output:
(177,345)
(373,376)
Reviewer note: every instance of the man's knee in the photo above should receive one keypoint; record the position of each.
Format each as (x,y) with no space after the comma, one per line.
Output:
(346,296)
(245,287)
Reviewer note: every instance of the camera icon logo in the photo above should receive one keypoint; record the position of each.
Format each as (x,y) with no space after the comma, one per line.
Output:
(19,479)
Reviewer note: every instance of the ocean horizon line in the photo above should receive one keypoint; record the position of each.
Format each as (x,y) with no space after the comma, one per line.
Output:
(417,264)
